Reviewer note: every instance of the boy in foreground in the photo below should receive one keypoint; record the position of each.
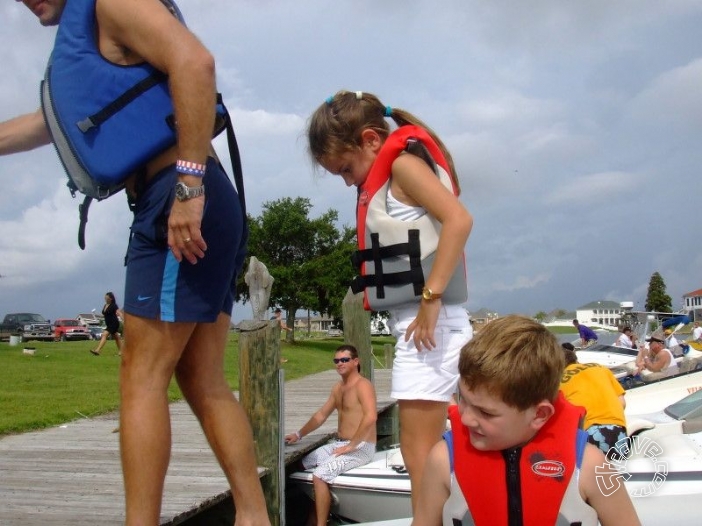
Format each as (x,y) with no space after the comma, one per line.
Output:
(516,454)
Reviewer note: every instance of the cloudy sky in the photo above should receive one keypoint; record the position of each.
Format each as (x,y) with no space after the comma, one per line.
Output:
(575,127)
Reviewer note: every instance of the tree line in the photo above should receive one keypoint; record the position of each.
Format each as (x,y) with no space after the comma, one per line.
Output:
(310,260)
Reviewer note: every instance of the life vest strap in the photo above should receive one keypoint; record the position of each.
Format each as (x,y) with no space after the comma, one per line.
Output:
(83,214)
(120,102)
(381,279)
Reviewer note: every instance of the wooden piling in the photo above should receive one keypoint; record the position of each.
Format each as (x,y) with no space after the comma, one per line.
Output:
(260,396)
(389,351)
(357,330)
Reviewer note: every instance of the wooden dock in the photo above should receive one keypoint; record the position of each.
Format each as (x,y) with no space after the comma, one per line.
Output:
(71,474)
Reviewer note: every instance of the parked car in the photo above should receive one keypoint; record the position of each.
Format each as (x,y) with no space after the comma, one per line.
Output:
(26,325)
(70,329)
(95,331)
(91,319)
(334,331)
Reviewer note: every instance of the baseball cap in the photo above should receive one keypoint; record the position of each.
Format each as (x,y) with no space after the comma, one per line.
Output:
(657,336)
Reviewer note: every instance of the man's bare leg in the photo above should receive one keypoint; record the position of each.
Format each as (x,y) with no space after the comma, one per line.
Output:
(422,422)
(200,375)
(322,500)
(151,351)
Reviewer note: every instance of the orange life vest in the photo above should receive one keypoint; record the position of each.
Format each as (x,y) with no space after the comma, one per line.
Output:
(394,256)
(545,467)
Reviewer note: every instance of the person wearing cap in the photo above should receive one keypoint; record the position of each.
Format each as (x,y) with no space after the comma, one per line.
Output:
(595,388)
(672,343)
(626,339)
(656,358)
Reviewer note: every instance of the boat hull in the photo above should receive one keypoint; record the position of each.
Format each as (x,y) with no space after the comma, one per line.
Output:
(664,490)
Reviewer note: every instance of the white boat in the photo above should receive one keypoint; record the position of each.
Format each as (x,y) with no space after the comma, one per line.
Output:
(377,491)
(664,489)
(622,360)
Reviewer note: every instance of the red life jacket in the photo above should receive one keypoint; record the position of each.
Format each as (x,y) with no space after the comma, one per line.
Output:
(546,466)
(394,256)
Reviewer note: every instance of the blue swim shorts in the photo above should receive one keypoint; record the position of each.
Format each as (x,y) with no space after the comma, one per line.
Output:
(157,286)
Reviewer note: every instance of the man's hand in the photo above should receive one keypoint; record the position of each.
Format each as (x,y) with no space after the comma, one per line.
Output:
(292,438)
(184,236)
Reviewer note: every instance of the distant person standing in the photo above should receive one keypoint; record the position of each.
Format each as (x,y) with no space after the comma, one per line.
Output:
(587,335)
(278,316)
(697,333)
(112,314)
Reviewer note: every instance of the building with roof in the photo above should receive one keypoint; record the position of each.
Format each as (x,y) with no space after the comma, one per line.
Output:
(603,313)
(692,304)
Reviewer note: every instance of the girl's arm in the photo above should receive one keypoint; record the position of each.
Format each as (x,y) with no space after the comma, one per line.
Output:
(415,184)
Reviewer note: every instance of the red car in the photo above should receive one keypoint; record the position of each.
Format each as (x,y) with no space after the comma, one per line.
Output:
(69,329)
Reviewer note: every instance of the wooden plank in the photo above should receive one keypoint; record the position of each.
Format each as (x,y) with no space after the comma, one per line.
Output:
(71,474)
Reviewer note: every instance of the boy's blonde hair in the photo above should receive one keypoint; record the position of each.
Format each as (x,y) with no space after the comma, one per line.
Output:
(515,359)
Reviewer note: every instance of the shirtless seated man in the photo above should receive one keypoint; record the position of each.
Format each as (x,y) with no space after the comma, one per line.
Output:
(353,397)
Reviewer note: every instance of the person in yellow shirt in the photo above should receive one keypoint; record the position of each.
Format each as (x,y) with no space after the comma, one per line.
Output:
(595,388)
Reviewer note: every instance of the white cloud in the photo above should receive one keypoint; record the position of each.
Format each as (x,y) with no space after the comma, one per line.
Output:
(574,127)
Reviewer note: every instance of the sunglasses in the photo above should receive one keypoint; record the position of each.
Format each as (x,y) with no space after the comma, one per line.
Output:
(342,360)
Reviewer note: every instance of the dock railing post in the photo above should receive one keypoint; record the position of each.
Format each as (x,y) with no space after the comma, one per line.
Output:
(260,396)
(388,350)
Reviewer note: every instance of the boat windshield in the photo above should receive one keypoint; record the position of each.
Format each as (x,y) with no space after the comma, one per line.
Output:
(688,408)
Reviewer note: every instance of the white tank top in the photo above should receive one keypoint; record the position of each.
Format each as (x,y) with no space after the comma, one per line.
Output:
(401,211)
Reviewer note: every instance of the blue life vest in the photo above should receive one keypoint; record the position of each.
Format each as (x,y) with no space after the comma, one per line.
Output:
(106,120)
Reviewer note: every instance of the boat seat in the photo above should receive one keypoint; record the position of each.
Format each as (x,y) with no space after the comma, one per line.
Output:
(635,425)
(688,364)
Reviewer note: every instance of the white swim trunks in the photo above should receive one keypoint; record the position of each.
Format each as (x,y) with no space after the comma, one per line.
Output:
(327,466)
(429,374)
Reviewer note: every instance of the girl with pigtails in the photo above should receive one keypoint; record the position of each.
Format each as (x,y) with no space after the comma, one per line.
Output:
(412,230)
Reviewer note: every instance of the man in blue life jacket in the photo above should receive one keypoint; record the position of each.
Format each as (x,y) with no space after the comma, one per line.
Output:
(183,257)
(587,335)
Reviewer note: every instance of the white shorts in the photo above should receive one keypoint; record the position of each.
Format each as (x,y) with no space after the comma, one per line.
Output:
(327,466)
(429,374)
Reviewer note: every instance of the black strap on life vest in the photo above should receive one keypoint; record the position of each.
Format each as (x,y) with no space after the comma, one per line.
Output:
(120,102)
(380,279)
(83,213)
(237,174)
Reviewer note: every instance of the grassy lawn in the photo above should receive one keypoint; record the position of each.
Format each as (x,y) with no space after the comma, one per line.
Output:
(63,381)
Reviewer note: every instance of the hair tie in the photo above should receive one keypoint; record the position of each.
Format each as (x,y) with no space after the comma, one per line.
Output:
(329,99)
(388,111)
(359,95)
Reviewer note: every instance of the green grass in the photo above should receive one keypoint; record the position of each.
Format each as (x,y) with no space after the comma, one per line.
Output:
(62,381)
(563,329)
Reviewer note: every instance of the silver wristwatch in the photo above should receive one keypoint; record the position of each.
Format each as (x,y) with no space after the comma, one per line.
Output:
(184,192)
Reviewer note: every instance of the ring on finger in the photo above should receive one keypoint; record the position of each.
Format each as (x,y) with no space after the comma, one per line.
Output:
(187,240)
